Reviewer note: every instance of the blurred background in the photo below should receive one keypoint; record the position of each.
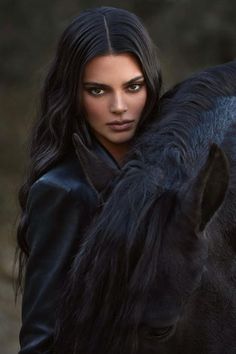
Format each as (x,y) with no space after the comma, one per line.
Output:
(189,34)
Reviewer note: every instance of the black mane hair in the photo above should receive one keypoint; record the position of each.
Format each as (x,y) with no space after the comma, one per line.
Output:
(105,289)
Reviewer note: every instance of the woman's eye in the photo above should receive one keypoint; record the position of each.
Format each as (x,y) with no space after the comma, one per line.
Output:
(134,87)
(96,91)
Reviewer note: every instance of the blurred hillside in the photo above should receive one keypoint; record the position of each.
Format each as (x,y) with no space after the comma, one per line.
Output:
(189,34)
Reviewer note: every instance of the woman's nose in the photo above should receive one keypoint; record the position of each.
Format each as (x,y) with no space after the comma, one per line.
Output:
(118,104)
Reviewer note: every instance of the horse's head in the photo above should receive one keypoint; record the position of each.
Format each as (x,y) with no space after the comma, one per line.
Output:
(179,262)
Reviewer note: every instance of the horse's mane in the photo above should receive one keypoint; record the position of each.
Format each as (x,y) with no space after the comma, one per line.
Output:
(199,91)
(105,291)
(186,120)
(122,245)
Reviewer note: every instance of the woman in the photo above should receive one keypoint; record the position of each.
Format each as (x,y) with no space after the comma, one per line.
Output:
(103,85)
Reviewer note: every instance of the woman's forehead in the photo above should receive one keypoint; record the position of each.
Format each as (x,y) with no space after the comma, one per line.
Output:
(106,68)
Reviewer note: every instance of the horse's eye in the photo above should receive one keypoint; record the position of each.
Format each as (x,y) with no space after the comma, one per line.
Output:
(158,333)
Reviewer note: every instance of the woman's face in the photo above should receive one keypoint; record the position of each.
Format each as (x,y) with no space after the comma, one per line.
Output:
(113,97)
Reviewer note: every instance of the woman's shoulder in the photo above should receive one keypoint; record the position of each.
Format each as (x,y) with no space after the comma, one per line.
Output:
(66,176)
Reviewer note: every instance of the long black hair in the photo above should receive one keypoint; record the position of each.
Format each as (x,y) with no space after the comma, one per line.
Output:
(98,31)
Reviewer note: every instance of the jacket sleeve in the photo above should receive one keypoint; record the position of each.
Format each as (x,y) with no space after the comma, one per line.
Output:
(57,217)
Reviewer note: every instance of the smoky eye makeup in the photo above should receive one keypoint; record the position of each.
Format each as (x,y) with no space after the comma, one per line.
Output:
(135,86)
(94,89)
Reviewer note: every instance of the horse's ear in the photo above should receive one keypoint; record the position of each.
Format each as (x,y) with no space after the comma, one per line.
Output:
(208,190)
(98,173)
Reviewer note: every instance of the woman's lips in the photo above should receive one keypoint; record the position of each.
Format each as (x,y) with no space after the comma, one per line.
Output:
(121,126)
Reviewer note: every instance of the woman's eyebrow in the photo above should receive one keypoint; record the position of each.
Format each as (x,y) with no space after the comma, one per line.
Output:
(94,83)
(136,78)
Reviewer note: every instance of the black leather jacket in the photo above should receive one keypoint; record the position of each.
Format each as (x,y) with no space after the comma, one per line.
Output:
(60,205)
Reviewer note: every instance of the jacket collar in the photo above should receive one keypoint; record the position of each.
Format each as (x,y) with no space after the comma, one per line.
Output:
(105,155)
(98,165)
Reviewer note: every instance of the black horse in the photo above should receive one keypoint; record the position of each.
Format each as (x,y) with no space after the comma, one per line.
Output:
(156,272)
